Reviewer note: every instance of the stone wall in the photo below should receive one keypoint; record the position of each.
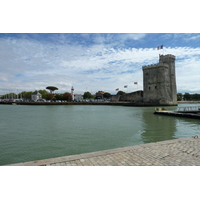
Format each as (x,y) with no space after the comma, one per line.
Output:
(159,81)
(115,98)
(132,97)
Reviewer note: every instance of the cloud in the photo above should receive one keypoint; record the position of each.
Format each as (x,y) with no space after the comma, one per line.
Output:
(196,37)
(98,64)
(187,73)
(132,36)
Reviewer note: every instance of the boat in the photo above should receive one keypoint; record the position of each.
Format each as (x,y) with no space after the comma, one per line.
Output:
(188,112)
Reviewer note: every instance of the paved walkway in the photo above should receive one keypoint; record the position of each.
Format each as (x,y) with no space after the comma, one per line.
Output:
(177,152)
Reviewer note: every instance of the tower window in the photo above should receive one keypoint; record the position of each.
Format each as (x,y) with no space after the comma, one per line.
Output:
(149,88)
(155,87)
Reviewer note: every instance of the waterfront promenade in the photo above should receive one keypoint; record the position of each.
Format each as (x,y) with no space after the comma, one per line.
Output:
(177,152)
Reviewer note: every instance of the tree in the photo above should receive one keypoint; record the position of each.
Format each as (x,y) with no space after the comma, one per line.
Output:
(58,97)
(9,96)
(179,97)
(43,93)
(87,95)
(195,97)
(50,96)
(51,88)
(106,95)
(187,96)
(121,93)
(67,96)
(25,95)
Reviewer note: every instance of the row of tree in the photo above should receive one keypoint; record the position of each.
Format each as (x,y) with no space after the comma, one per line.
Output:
(50,96)
(188,97)
(45,95)
(88,95)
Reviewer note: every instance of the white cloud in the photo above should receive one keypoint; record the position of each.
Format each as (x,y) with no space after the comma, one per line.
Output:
(196,37)
(30,65)
(188,75)
(132,36)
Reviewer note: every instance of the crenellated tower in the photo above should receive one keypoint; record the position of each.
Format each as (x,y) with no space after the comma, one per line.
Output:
(159,82)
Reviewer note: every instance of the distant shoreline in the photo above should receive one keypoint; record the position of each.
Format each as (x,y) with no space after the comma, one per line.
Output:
(95,103)
(188,102)
(124,103)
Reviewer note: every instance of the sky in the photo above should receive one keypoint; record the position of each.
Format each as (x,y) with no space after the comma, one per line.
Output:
(95,45)
(93,61)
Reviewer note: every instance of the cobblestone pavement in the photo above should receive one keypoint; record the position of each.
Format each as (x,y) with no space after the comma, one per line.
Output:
(177,152)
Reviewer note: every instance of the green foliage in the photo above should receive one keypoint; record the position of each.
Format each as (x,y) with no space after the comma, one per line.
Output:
(25,95)
(121,93)
(87,95)
(179,97)
(51,88)
(106,95)
(67,96)
(9,96)
(42,92)
(195,97)
(50,96)
(58,97)
(187,97)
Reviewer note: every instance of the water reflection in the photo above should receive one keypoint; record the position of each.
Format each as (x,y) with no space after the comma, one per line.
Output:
(157,127)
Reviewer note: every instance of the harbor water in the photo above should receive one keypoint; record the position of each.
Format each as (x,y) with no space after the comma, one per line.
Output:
(29,132)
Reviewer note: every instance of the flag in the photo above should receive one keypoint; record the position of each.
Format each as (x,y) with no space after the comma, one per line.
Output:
(136,83)
(125,86)
(117,89)
(160,47)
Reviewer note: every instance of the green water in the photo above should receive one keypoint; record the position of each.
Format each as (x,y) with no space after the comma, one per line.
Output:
(30,133)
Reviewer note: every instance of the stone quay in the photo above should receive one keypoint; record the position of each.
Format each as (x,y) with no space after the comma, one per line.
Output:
(176,152)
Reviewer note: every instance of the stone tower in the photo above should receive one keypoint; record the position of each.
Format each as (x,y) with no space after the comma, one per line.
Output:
(159,82)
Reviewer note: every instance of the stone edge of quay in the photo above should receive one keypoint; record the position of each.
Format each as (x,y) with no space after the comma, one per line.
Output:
(94,154)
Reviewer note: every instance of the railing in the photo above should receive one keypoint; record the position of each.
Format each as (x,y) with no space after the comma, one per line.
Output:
(189,109)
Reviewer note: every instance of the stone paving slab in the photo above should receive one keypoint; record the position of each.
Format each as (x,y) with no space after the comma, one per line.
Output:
(177,152)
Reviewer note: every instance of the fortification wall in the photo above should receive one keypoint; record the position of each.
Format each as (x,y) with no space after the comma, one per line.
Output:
(133,96)
(115,98)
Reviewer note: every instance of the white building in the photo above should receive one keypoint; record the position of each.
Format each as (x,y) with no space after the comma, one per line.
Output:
(72,92)
(78,97)
(36,96)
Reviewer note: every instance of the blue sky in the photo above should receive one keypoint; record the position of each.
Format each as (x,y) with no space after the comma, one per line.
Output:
(93,61)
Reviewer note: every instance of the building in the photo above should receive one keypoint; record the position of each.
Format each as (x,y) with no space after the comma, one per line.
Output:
(159,82)
(36,96)
(78,97)
(99,95)
(72,92)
